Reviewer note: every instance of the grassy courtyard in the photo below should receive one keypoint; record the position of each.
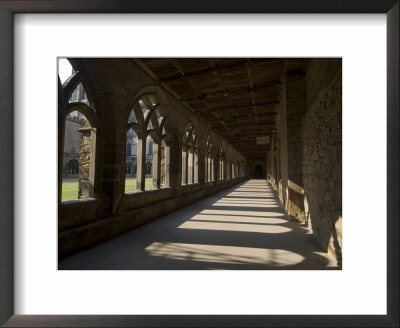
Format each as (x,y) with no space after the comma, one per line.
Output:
(130,184)
(70,187)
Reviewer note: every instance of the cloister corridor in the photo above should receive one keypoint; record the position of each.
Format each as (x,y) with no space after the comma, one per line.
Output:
(242,227)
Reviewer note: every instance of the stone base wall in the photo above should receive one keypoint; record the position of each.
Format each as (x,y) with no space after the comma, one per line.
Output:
(81,226)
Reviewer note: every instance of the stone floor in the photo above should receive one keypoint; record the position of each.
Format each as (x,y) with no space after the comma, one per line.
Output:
(242,227)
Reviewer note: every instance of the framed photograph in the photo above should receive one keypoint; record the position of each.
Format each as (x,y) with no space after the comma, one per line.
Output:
(208,60)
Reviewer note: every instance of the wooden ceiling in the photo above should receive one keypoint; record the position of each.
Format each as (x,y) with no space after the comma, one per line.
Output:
(237,97)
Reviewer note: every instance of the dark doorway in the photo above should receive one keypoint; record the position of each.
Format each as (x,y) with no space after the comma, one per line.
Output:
(258,172)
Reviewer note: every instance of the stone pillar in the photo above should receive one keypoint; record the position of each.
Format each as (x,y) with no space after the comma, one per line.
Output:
(156,165)
(61,136)
(295,104)
(209,177)
(162,165)
(184,177)
(174,171)
(141,164)
(86,177)
(283,150)
(196,167)
(207,167)
(167,165)
(190,165)
(212,177)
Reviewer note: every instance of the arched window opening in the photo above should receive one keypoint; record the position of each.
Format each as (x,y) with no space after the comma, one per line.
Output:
(79,95)
(142,106)
(132,117)
(152,157)
(65,69)
(77,147)
(131,160)
(78,157)
(149,125)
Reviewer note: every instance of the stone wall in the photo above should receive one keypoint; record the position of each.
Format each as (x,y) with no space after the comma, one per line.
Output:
(304,162)
(295,105)
(321,128)
(72,136)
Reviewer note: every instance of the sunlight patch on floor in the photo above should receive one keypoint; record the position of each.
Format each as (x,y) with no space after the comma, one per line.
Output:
(266,204)
(234,227)
(224,254)
(245,213)
(239,219)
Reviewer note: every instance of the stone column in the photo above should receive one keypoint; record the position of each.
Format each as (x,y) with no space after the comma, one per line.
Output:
(141,164)
(295,104)
(156,165)
(61,136)
(196,167)
(210,171)
(184,165)
(190,165)
(202,167)
(206,165)
(86,177)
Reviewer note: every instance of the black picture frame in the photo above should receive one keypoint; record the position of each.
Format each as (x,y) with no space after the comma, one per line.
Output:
(10,7)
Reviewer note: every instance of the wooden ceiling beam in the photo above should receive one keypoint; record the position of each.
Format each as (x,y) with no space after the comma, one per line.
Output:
(224,68)
(247,107)
(181,70)
(215,71)
(275,83)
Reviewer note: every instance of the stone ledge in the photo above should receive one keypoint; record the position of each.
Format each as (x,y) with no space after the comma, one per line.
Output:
(94,233)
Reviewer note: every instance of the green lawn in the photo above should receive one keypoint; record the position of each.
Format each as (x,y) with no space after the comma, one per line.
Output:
(130,184)
(70,187)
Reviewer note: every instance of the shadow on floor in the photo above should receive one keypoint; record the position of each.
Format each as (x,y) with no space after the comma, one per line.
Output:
(224,231)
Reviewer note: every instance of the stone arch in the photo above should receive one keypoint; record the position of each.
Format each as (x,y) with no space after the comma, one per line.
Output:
(88,144)
(153,91)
